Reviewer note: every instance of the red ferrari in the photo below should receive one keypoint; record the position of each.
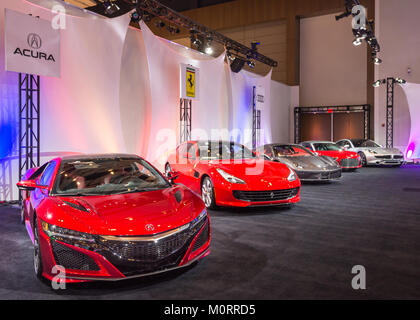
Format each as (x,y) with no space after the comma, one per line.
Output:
(110,217)
(348,160)
(229,174)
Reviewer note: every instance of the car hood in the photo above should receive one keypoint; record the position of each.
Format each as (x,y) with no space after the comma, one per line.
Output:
(384,151)
(308,163)
(251,170)
(339,154)
(133,214)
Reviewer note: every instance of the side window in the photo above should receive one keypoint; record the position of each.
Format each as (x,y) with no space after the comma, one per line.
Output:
(192,151)
(340,143)
(268,152)
(38,172)
(47,175)
(308,146)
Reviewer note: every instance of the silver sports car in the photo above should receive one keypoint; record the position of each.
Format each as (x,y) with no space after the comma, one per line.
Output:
(307,165)
(372,153)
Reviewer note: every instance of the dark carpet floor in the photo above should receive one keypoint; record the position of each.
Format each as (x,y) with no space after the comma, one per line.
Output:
(370,218)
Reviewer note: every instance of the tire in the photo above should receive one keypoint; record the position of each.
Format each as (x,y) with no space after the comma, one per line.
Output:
(363,159)
(168,169)
(207,193)
(38,268)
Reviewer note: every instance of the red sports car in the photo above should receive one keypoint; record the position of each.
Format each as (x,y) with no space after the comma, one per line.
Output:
(229,174)
(348,160)
(110,217)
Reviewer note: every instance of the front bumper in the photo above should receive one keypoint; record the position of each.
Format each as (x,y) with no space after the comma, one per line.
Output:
(385,160)
(350,163)
(124,259)
(320,175)
(241,196)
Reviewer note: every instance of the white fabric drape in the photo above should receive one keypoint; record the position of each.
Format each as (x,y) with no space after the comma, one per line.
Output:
(412,91)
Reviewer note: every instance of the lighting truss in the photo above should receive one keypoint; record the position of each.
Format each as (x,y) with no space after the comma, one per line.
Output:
(365,32)
(156,9)
(299,111)
(390,87)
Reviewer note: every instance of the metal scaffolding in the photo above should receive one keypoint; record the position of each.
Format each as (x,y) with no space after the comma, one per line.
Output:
(185,120)
(390,82)
(29,122)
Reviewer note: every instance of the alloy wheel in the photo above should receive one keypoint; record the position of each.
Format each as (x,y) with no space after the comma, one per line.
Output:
(207,192)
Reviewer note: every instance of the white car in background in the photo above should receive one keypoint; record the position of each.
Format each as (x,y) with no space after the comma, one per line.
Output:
(372,153)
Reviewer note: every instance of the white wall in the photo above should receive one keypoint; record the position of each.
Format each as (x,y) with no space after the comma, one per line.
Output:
(398,29)
(332,70)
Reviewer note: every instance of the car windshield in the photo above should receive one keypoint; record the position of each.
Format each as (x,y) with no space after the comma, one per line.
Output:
(291,151)
(326,147)
(365,144)
(107,176)
(214,150)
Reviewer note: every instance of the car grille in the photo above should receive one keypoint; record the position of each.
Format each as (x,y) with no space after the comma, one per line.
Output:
(72,259)
(346,163)
(266,196)
(202,238)
(384,157)
(137,257)
(399,157)
(328,175)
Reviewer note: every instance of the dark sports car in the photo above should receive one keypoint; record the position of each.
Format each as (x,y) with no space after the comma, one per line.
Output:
(307,165)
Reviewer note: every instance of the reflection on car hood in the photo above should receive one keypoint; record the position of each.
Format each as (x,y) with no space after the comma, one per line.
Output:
(133,214)
(303,163)
(384,151)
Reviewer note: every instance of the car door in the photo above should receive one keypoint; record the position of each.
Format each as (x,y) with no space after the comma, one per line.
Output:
(38,195)
(186,157)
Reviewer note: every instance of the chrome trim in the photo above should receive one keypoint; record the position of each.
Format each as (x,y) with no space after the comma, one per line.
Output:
(154,238)
(143,275)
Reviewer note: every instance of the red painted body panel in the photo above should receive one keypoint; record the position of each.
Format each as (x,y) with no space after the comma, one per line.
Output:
(259,175)
(341,155)
(111,215)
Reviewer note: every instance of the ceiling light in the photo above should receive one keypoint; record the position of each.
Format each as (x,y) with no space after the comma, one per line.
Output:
(357,42)
(209,50)
(377,83)
(251,64)
(377,61)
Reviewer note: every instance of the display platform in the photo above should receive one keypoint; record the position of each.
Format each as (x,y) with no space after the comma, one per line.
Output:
(368,218)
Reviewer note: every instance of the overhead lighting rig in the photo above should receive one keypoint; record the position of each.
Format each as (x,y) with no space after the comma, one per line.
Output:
(197,30)
(364,32)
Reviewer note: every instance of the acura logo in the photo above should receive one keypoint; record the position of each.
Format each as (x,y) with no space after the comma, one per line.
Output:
(34,41)
(150,227)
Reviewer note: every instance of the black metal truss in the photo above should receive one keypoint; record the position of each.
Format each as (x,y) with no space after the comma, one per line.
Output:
(185,120)
(299,111)
(256,121)
(390,85)
(29,122)
(156,9)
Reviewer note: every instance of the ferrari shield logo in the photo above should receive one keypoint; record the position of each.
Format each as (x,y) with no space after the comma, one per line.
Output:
(190,83)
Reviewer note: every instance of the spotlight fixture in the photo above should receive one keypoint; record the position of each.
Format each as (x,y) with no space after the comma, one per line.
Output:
(135,17)
(209,49)
(377,83)
(377,61)
(400,81)
(251,64)
(110,7)
(173,30)
(357,42)
(160,24)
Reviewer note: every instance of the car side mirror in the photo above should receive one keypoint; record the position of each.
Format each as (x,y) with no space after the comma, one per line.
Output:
(172,177)
(29,185)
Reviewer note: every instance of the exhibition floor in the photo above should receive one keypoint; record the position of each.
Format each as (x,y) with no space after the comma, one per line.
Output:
(370,218)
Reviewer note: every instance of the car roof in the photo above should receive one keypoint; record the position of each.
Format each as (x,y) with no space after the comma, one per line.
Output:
(99,156)
(315,141)
(280,144)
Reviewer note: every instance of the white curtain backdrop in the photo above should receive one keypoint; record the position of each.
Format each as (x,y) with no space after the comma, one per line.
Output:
(119,92)
(412,91)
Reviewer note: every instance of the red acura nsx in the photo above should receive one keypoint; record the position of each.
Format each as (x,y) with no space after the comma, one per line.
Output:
(348,160)
(229,174)
(110,217)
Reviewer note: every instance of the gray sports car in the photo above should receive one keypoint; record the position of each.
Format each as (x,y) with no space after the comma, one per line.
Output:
(307,165)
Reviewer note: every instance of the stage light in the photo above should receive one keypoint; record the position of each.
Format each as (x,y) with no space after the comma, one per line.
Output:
(160,24)
(377,83)
(209,50)
(357,42)
(409,154)
(377,61)
(135,17)
(110,7)
(400,81)
(251,64)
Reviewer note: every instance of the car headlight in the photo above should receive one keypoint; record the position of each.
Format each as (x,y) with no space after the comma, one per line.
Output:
(372,151)
(229,178)
(292,176)
(66,235)
(200,218)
